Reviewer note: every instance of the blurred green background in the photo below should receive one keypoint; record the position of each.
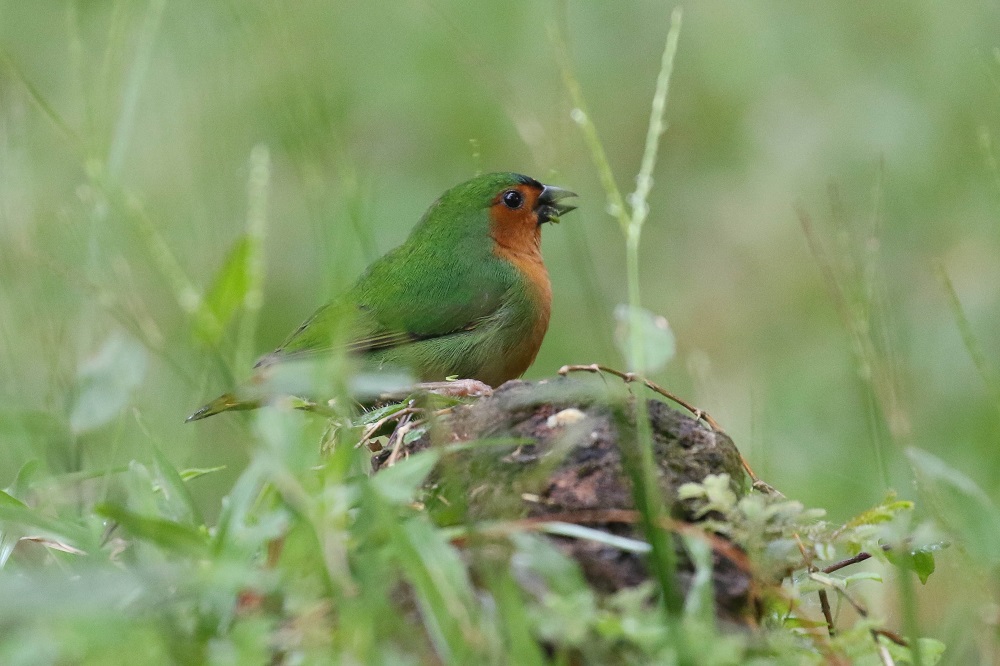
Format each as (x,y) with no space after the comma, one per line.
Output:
(126,135)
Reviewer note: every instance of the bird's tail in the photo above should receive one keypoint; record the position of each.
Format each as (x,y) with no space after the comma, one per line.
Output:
(224,403)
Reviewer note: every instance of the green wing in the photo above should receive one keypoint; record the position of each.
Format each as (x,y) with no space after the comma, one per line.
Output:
(409,295)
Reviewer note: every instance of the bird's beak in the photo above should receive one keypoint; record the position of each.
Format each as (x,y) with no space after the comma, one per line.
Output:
(548,207)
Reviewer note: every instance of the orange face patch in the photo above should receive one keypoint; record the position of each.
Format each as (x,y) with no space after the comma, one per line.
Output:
(514,221)
(517,235)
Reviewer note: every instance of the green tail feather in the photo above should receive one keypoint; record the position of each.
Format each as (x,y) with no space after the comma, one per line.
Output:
(224,403)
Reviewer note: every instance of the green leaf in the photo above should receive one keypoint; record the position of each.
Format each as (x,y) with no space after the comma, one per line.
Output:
(192,473)
(597,536)
(442,588)
(105,382)
(227,293)
(657,340)
(25,475)
(237,505)
(373,415)
(560,573)
(862,576)
(400,483)
(962,507)
(699,605)
(923,565)
(716,491)
(13,510)
(881,513)
(931,651)
(512,613)
(166,534)
(175,491)
(9,537)
(817,580)
(920,561)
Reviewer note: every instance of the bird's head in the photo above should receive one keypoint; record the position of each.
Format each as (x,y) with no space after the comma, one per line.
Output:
(518,208)
(509,207)
(523,201)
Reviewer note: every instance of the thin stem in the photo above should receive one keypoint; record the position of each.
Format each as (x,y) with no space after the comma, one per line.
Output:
(637,340)
(824,604)
(644,477)
(644,183)
(965,330)
(580,115)
(133,86)
(257,195)
(911,624)
(629,377)
(657,125)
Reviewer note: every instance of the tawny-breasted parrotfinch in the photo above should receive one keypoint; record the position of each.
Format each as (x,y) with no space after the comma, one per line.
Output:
(466,295)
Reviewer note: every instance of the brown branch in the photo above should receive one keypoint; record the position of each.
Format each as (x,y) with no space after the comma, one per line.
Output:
(824,604)
(892,636)
(824,598)
(629,377)
(860,557)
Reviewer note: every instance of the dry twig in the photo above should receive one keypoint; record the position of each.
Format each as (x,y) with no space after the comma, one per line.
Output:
(699,414)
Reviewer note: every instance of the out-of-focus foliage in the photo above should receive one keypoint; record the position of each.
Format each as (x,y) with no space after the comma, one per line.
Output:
(182,182)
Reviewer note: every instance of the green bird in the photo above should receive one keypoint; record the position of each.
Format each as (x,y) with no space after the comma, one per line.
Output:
(466,295)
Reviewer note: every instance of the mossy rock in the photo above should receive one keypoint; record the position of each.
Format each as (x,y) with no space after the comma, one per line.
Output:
(553,450)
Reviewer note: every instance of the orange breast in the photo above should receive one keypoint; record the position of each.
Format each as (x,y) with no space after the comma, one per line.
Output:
(517,237)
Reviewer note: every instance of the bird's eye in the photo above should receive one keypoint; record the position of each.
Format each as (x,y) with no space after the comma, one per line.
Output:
(513,199)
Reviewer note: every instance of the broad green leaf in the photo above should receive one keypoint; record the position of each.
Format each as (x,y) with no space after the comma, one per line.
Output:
(920,561)
(442,588)
(24,478)
(923,565)
(9,536)
(962,507)
(699,605)
(560,573)
(657,340)
(931,651)
(881,513)
(512,613)
(862,576)
(175,491)
(238,504)
(192,473)
(597,536)
(166,534)
(399,484)
(12,510)
(105,382)
(227,293)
